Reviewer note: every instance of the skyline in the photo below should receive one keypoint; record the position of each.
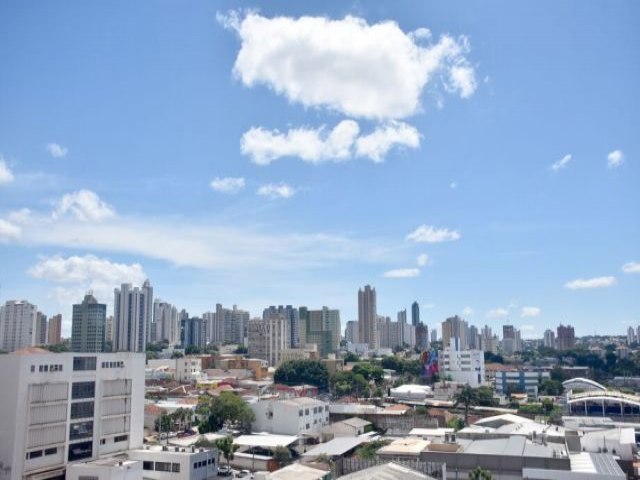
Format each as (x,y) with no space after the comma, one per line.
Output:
(497,178)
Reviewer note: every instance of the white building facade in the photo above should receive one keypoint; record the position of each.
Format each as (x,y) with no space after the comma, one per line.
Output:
(60,408)
(295,416)
(464,366)
(17,325)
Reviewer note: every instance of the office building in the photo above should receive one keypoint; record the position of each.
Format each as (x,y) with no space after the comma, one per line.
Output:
(41,329)
(434,335)
(17,325)
(565,337)
(474,340)
(268,338)
(167,326)
(511,341)
(320,327)
(519,381)
(463,366)
(302,416)
(368,317)
(192,332)
(292,317)
(457,329)
(549,339)
(54,330)
(415,314)
(422,336)
(87,325)
(59,408)
(351,332)
(132,312)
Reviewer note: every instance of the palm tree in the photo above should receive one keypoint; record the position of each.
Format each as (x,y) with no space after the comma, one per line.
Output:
(227,448)
(480,473)
(467,396)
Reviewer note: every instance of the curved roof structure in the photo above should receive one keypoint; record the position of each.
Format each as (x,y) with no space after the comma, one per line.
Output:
(582,384)
(608,395)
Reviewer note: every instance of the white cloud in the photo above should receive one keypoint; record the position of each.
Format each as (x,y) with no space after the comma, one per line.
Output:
(20,217)
(467,311)
(597,282)
(372,71)
(317,145)
(376,145)
(5,173)
(562,163)
(228,184)
(9,230)
(423,260)
(57,151)
(631,267)
(615,159)
(429,234)
(453,185)
(85,205)
(530,312)
(497,313)
(85,273)
(402,273)
(279,190)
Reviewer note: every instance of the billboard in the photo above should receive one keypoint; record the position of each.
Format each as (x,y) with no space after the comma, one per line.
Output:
(429,362)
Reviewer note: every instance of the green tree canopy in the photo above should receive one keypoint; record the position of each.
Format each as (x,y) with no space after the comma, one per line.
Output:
(369,371)
(467,397)
(297,372)
(349,383)
(227,409)
(227,448)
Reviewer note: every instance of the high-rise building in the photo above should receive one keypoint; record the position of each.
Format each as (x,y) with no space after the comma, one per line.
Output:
(464,366)
(268,338)
(320,327)
(132,312)
(422,336)
(192,332)
(511,341)
(549,339)
(240,321)
(434,335)
(565,337)
(474,340)
(351,332)
(167,326)
(631,336)
(415,314)
(293,319)
(41,328)
(87,325)
(368,317)
(59,408)
(455,328)
(17,325)
(489,341)
(54,330)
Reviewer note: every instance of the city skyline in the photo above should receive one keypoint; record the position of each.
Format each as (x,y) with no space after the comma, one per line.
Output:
(483,186)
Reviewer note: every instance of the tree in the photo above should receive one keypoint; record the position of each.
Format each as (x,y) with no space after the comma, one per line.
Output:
(480,473)
(456,423)
(296,372)
(467,396)
(282,456)
(349,383)
(226,409)
(368,450)
(192,350)
(550,387)
(227,448)
(177,354)
(369,371)
(241,350)
(182,417)
(485,397)
(351,357)
(163,423)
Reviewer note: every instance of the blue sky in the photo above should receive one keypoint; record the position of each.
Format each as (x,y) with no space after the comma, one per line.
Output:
(335,131)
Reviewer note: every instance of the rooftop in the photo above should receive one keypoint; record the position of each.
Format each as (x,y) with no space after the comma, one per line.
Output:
(297,471)
(405,446)
(336,447)
(266,440)
(387,471)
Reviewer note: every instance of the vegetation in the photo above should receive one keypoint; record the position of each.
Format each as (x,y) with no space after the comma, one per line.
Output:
(402,366)
(368,450)
(456,423)
(227,409)
(351,357)
(550,387)
(296,372)
(467,397)
(177,354)
(241,350)
(195,350)
(57,348)
(282,456)
(167,422)
(490,357)
(227,448)
(485,397)
(480,473)
(349,383)
(370,372)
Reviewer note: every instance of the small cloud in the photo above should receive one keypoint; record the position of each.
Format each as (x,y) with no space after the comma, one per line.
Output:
(615,159)
(428,306)
(562,163)
(463,80)
(497,313)
(430,234)
(402,273)
(5,173)
(467,311)
(631,267)
(85,205)
(9,231)
(530,312)
(423,260)
(57,151)
(228,184)
(597,282)
(453,185)
(272,190)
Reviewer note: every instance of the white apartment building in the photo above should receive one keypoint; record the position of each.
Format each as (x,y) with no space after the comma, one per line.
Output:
(60,408)
(302,416)
(188,369)
(268,338)
(463,366)
(17,325)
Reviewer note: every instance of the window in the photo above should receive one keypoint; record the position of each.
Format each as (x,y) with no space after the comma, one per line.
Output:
(300,413)
(80,430)
(175,467)
(84,363)
(81,410)
(121,438)
(78,451)
(87,477)
(306,411)
(103,441)
(163,467)
(33,368)
(83,390)
(36,454)
(51,451)
(146,465)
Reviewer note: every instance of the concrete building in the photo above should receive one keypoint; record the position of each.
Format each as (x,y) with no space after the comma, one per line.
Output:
(434,335)
(291,315)
(415,314)
(549,339)
(511,340)
(188,369)
(351,332)
(368,317)
(302,416)
(87,325)
(565,338)
(463,366)
(167,325)
(132,312)
(60,408)
(192,332)
(41,329)
(267,338)
(54,330)
(422,336)
(457,329)
(519,381)
(321,327)
(17,325)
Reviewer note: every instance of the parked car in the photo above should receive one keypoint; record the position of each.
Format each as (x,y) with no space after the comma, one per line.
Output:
(224,471)
(246,474)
